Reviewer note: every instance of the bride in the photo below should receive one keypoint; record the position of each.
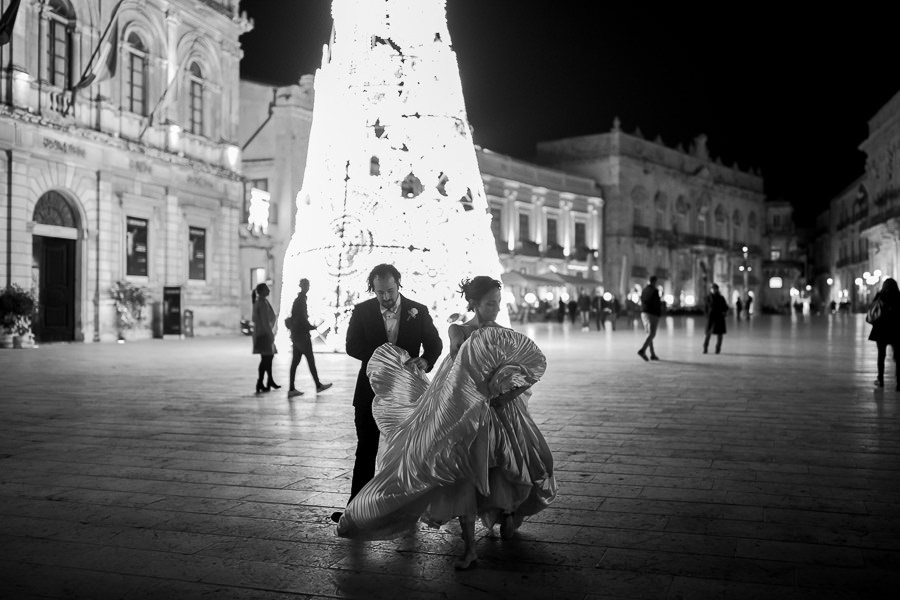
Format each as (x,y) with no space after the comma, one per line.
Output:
(462,446)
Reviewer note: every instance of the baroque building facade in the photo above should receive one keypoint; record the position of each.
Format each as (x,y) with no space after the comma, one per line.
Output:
(118,124)
(858,237)
(548,229)
(681,216)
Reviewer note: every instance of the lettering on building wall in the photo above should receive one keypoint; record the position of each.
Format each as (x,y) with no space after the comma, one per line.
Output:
(140,166)
(200,181)
(64,147)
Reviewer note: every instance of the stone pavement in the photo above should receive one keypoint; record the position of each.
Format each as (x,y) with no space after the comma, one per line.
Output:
(151,470)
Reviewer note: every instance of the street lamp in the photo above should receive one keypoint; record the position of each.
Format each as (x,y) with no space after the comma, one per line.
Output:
(745,268)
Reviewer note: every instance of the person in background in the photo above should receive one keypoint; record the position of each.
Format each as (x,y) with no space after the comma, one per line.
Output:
(299,326)
(651,310)
(886,328)
(716,309)
(264,326)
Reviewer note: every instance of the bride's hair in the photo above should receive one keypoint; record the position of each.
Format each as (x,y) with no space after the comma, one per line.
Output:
(473,290)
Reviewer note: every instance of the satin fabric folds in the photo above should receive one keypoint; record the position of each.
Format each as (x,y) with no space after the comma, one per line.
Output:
(446,450)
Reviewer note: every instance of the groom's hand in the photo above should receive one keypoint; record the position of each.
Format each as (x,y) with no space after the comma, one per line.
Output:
(419,362)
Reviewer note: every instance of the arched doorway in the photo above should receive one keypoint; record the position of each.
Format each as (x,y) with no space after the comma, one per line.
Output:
(54,236)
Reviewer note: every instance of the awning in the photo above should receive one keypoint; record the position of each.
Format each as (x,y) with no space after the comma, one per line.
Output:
(575,280)
(527,280)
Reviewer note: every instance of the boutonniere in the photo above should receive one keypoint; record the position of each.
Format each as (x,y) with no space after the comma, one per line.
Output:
(411,313)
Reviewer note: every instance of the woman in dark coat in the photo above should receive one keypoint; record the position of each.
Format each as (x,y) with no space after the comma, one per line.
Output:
(886,329)
(716,309)
(264,323)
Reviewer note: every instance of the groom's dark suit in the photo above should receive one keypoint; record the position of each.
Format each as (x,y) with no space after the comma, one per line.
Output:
(366,331)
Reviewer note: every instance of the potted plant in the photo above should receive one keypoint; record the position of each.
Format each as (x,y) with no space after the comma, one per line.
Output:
(130,302)
(17,306)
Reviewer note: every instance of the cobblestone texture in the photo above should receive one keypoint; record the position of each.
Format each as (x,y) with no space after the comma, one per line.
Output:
(151,470)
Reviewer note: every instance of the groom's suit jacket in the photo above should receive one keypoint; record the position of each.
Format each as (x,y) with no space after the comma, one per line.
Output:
(416,334)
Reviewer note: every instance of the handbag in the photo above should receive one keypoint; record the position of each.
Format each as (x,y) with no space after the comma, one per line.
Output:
(873,313)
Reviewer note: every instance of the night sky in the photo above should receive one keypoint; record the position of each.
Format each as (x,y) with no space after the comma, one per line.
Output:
(790,94)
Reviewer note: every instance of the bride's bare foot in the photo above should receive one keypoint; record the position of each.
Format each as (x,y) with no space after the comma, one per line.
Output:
(468,560)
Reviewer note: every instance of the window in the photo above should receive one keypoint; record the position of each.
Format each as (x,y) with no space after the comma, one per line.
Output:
(552,238)
(580,235)
(524,227)
(195,99)
(59,44)
(136,75)
(136,246)
(260,184)
(196,253)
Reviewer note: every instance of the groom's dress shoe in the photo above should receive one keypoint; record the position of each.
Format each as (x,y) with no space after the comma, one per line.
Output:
(336,516)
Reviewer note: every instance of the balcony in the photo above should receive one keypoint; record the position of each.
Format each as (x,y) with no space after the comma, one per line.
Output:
(641,231)
(555,251)
(528,248)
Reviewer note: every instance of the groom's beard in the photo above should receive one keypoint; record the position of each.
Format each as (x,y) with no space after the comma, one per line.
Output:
(389,305)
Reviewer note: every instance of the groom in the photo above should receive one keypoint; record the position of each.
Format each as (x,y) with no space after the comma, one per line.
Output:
(388,317)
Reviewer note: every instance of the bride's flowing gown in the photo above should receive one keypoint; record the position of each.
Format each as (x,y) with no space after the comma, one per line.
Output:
(447,451)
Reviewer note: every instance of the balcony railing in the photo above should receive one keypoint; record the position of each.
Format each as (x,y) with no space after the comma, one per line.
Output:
(528,248)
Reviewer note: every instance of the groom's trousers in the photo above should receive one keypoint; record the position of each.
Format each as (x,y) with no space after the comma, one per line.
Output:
(367,434)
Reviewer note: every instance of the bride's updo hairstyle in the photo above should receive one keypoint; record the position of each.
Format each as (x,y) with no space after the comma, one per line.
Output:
(473,290)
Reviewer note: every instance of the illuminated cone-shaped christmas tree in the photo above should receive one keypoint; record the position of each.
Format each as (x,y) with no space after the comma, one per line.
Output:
(391,174)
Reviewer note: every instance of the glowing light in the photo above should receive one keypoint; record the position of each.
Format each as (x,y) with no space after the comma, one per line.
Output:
(669,299)
(808,287)
(866,275)
(232,156)
(548,296)
(174,135)
(258,220)
(690,300)
(829,281)
(391,175)
(741,268)
(877,273)
(776,283)
(607,296)
(530,298)
(794,292)
(858,281)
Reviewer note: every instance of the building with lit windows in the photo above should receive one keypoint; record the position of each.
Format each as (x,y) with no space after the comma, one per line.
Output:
(680,215)
(784,285)
(548,228)
(118,124)
(275,123)
(858,237)
(841,254)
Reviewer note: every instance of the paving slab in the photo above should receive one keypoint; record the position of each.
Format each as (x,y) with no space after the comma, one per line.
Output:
(151,469)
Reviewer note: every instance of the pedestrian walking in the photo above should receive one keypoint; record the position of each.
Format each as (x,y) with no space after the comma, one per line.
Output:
(738,307)
(388,317)
(651,309)
(748,303)
(265,324)
(301,341)
(584,310)
(884,315)
(716,309)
